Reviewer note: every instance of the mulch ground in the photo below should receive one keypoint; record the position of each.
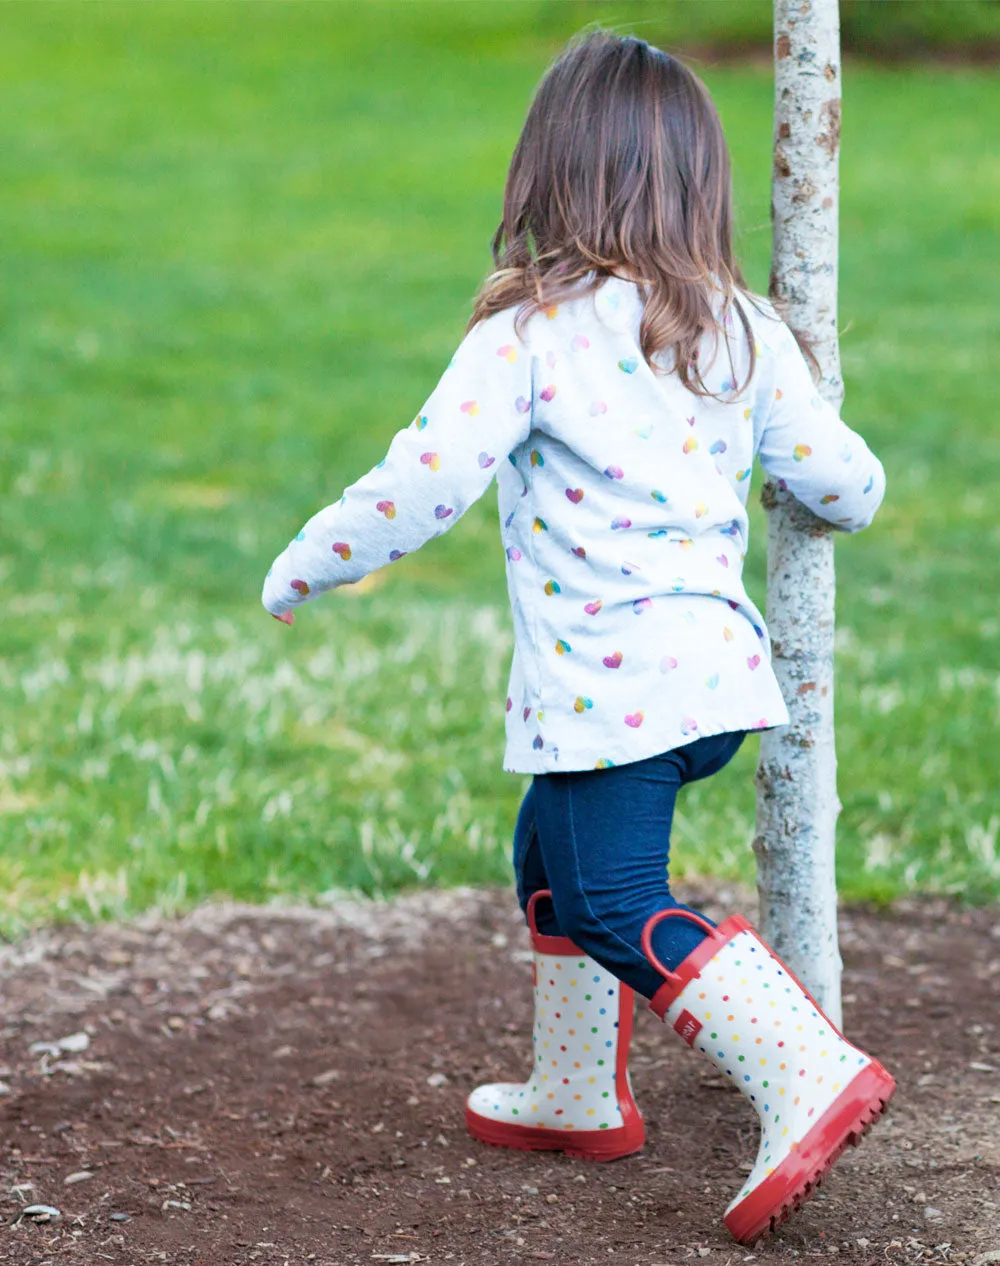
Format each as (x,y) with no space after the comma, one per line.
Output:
(287,1087)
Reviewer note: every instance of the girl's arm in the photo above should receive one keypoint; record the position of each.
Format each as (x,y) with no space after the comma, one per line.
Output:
(806,447)
(434,470)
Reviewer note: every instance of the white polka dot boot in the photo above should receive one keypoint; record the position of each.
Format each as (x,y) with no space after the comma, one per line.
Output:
(739,1005)
(578,1099)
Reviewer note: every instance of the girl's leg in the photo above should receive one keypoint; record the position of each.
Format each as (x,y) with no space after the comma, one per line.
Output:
(577,1097)
(529,869)
(604,841)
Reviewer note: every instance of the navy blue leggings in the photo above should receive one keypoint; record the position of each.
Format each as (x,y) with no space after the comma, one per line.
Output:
(600,840)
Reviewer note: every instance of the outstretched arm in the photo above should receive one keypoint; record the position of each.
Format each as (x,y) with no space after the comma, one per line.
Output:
(806,447)
(434,470)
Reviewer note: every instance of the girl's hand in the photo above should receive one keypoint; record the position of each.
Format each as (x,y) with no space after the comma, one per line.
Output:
(286,617)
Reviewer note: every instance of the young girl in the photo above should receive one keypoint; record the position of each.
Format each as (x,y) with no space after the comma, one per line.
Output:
(619,380)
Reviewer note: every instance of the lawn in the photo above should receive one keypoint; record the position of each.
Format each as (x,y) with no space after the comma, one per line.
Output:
(238,244)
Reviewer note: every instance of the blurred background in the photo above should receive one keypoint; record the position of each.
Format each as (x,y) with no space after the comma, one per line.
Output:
(238,245)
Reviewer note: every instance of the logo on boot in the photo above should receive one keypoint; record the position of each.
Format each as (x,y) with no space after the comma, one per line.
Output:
(688,1027)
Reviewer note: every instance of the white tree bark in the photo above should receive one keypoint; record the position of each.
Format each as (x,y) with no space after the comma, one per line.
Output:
(797,803)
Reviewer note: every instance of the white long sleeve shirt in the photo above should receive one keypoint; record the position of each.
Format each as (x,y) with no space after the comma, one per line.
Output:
(623,517)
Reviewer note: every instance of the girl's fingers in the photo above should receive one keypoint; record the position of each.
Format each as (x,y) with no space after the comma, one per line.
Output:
(286,617)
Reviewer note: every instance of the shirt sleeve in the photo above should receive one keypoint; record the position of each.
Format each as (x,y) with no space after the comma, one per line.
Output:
(434,470)
(806,447)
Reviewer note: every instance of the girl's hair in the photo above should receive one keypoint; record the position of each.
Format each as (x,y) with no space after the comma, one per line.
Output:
(622,169)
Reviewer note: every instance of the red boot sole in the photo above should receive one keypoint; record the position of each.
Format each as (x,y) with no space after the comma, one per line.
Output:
(590,1145)
(845,1123)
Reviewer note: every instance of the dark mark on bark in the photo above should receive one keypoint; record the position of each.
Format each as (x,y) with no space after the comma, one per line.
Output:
(829,138)
(804,192)
(781,164)
(783,46)
(784,131)
(830,72)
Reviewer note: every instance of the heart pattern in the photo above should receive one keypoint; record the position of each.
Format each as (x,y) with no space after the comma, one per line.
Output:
(571,403)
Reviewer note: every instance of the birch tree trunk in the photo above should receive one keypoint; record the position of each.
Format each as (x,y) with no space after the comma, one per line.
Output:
(797,803)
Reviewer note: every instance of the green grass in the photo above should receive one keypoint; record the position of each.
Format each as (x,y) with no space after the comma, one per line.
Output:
(237,246)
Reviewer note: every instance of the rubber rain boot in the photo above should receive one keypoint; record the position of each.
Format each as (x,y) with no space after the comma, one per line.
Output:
(735,1002)
(578,1099)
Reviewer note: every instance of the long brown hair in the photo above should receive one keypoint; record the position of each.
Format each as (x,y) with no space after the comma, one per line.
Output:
(622,169)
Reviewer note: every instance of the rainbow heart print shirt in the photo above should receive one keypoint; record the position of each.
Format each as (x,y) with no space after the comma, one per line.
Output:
(622,501)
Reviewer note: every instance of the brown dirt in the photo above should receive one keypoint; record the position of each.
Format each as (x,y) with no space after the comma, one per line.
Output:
(256,1089)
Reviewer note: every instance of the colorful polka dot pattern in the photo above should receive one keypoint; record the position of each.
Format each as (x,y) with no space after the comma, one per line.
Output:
(575,1049)
(624,524)
(760,1029)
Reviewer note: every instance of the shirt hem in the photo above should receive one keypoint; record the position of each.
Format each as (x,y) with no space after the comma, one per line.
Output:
(575,760)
